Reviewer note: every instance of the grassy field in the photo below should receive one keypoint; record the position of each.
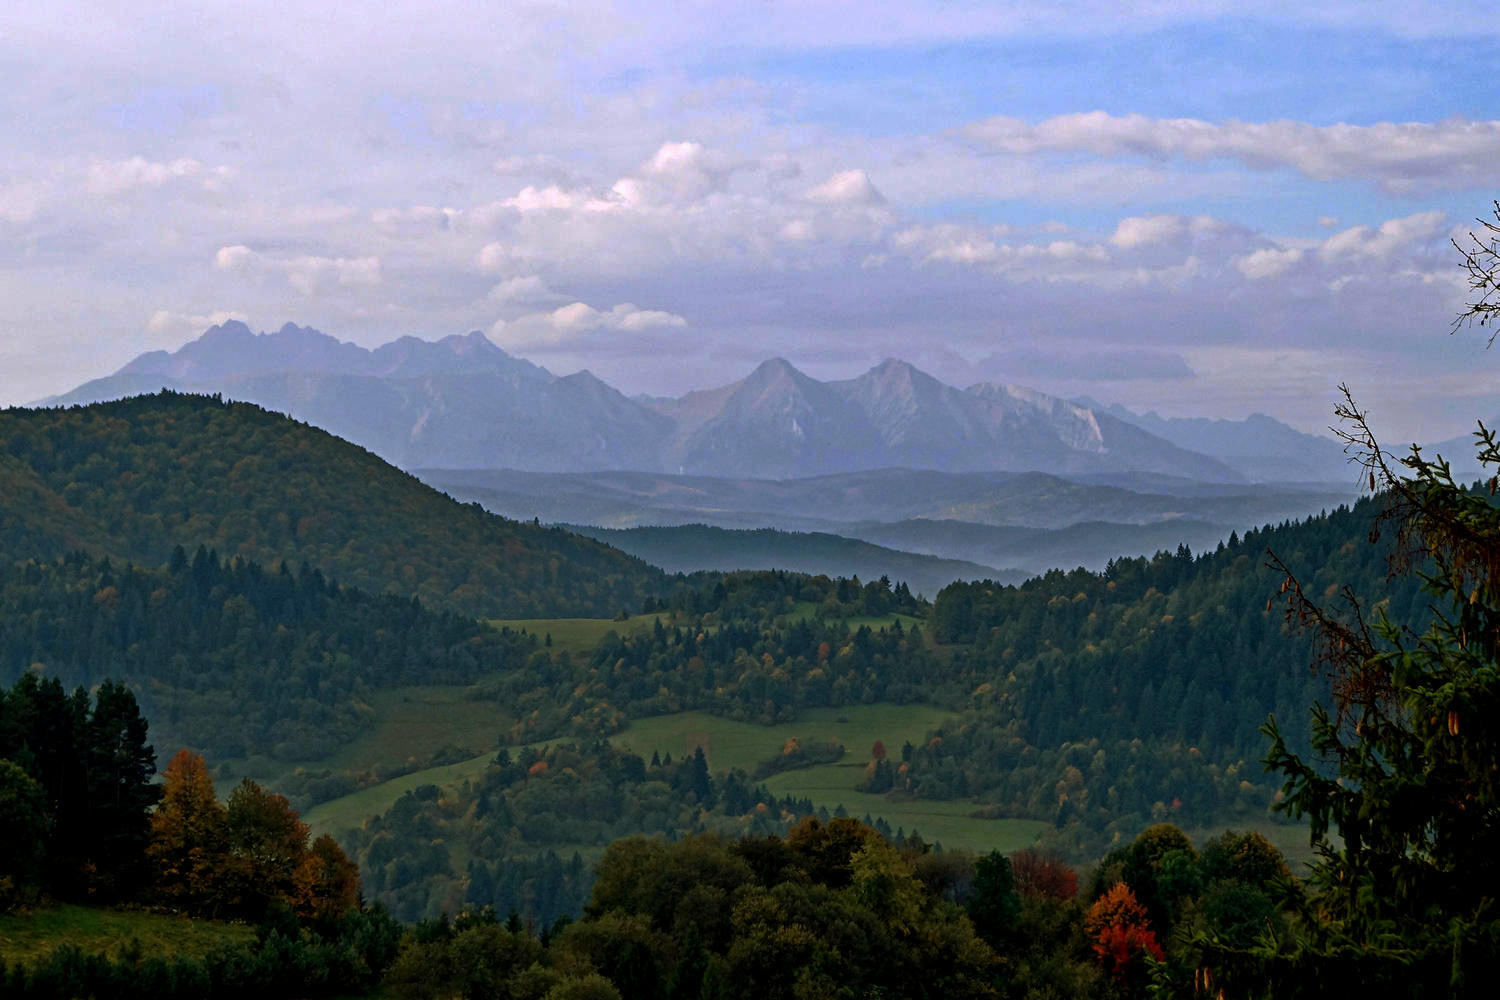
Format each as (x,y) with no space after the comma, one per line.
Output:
(415,722)
(411,724)
(945,822)
(730,744)
(1291,839)
(578,635)
(349,811)
(26,937)
(741,744)
(733,744)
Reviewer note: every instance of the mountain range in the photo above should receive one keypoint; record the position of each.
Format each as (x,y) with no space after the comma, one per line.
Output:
(464,403)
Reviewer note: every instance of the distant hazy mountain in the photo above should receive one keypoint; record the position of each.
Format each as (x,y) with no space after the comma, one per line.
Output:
(776,423)
(1260,448)
(1459,452)
(462,402)
(1026,521)
(690,547)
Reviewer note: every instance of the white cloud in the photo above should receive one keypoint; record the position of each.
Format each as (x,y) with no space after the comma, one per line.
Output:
(1140,231)
(525,288)
(165,323)
(235,258)
(414,222)
(1453,154)
(797,231)
(1267,263)
(112,177)
(20,202)
(555,199)
(578,320)
(1392,235)
(849,187)
(686,171)
(308,274)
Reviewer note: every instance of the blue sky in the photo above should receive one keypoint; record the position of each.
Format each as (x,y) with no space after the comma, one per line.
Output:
(1203,209)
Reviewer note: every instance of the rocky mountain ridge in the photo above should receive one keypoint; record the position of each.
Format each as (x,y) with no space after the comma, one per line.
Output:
(463,402)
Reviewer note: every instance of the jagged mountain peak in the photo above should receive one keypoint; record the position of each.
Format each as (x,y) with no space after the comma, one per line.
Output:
(773,370)
(463,402)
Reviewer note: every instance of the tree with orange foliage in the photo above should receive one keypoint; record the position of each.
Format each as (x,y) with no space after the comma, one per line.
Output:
(326,883)
(189,836)
(1122,932)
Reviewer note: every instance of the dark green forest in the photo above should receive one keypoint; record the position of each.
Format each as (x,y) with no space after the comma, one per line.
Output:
(231,658)
(135,478)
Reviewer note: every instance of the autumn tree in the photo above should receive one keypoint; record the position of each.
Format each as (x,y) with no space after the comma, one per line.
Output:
(1043,874)
(326,882)
(1121,933)
(189,836)
(267,843)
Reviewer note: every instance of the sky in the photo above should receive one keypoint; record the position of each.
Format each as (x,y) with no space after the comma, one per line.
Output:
(1199,209)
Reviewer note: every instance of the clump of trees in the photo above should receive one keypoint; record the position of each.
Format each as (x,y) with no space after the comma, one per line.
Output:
(82,819)
(75,792)
(244,856)
(826,909)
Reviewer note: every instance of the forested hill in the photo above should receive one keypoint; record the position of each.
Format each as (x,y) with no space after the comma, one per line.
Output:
(135,478)
(232,658)
(1076,680)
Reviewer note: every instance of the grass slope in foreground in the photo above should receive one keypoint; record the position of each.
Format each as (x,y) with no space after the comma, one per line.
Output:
(28,936)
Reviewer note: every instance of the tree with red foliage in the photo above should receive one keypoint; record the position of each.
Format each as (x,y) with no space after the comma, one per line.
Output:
(1121,931)
(1043,875)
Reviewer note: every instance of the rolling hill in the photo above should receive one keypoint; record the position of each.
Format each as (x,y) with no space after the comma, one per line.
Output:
(135,478)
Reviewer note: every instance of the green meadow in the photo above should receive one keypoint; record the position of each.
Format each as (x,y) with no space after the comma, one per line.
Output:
(27,936)
(729,744)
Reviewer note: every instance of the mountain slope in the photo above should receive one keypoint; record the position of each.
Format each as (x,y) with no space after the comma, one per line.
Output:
(776,423)
(132,479)
(1259,447)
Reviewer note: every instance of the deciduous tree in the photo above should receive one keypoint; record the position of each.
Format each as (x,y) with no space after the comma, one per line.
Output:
(189,836)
